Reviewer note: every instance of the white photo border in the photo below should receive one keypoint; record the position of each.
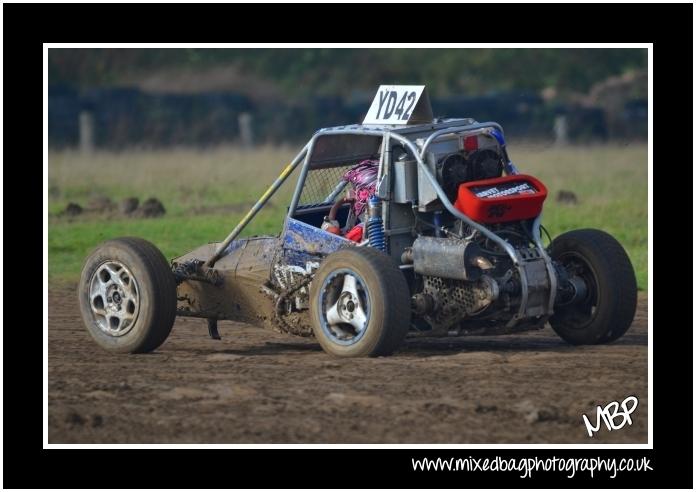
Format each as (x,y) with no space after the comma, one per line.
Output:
(47,46)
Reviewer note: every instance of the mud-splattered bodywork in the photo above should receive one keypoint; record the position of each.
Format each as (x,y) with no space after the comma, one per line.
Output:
(253,272)
(243,271)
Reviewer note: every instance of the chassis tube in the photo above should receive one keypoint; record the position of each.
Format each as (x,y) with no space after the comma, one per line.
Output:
(309,148)
(456,129)
(553,281)
(334,194)
(509,166)
(257,206)
(384,173)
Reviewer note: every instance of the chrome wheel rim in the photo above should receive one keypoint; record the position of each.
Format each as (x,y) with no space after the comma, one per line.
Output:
(114,298)
(345,307)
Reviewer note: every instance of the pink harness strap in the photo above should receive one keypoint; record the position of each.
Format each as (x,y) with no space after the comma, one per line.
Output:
(363,177)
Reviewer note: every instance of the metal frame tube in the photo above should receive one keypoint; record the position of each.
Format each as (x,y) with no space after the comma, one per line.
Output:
(509,166)
(336,191)
(309,148)
(383,156)
(383,173)
(257,206)
(456,129)
(553,281)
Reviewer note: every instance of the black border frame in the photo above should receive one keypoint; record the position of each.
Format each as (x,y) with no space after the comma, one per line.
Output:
(27,26)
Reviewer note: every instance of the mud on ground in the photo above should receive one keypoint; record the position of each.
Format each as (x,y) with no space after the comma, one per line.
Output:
(256,386)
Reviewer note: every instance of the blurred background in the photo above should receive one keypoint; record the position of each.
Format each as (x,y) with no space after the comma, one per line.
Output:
(204,97)
(176,144)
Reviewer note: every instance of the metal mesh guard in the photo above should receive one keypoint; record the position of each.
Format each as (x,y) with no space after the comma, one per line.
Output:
(320,183)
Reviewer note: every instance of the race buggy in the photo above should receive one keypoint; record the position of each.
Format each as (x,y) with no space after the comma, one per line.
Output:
(452,245)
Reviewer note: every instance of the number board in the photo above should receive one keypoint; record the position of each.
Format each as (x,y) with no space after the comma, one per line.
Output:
(399,105)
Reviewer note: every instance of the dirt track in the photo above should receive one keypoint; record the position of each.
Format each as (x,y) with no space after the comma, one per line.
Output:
(256,386)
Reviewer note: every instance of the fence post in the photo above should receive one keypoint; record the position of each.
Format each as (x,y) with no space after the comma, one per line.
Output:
(246,132)
(560,129)
(86,132)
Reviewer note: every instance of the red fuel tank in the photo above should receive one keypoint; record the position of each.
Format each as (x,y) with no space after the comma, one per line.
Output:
(505,199)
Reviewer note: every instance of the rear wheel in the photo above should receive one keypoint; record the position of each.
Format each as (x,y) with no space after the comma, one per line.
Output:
(359,304)
(604,309)
(127,296)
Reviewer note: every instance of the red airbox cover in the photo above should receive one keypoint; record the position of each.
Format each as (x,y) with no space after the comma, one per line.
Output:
(515,197)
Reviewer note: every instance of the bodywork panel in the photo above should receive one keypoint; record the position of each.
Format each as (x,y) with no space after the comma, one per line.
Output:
(343,149)
(244,269)
(303,242)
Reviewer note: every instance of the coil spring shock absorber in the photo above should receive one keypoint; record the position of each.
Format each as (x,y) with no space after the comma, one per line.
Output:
(375,226)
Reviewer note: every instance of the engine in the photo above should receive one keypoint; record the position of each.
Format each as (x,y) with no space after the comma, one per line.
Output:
(457,168)
(467,276)
(461,274)
(471,176)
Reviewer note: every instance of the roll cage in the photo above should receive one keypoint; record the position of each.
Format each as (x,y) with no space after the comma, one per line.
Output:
(345,152)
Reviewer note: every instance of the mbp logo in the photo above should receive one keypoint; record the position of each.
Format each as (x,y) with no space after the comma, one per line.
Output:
(610,413)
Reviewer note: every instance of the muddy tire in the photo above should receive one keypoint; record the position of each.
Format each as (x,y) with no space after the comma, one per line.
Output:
(127,296)
(359,304)
(607,310)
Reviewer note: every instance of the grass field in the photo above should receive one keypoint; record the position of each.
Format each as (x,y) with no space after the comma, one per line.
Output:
(206,192)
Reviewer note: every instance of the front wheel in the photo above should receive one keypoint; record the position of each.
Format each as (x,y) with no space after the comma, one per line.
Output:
(604,309)
(359,304)
(127,296)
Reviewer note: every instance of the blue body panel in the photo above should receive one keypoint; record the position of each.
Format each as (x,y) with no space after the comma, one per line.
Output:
(303,242)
